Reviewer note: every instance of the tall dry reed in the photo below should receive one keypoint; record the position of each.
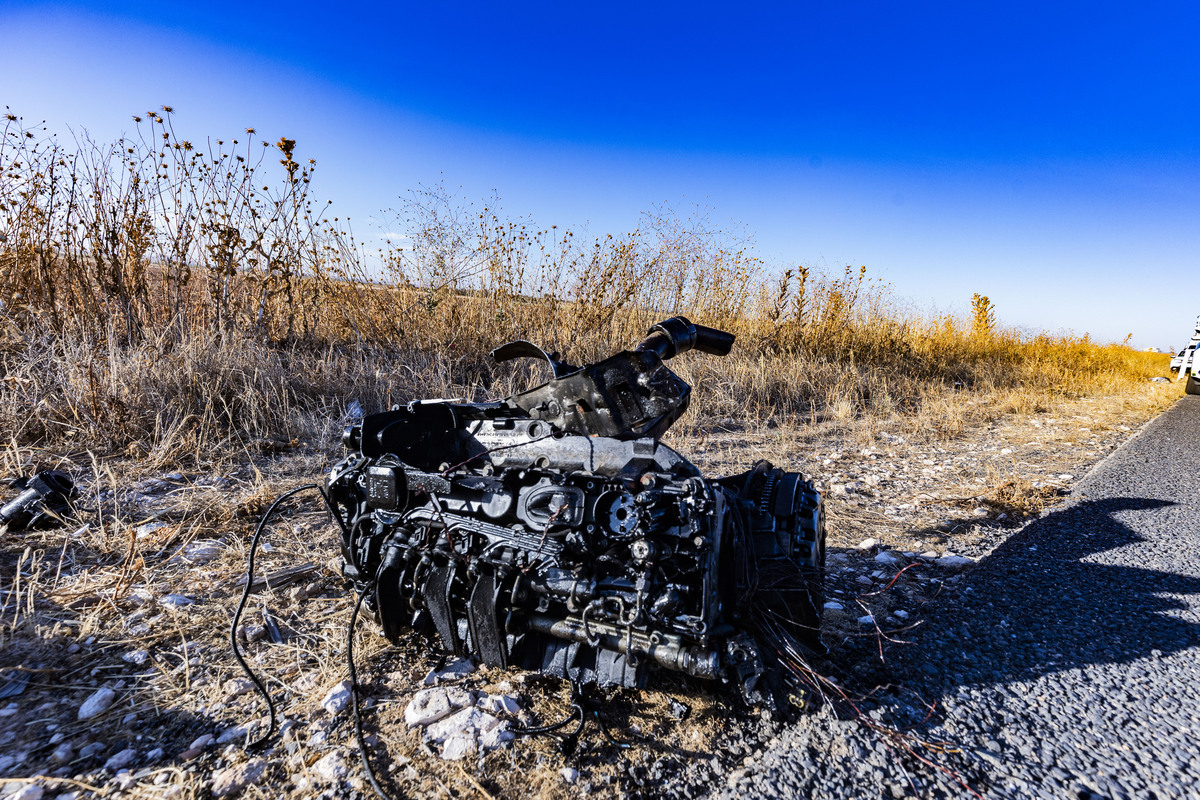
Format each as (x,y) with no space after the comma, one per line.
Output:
(186,298)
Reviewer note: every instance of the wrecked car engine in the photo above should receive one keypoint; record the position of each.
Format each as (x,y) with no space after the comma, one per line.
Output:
(554,531)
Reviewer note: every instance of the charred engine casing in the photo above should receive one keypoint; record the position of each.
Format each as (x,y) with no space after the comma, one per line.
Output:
(553,531)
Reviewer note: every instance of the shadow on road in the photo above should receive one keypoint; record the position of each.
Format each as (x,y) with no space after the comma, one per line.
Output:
(1038,604)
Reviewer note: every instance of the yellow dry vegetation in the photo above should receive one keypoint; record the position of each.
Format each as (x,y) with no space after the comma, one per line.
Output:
(181,301)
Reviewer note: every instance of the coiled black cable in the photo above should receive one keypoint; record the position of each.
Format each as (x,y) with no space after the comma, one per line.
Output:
(237,615)
(258,684)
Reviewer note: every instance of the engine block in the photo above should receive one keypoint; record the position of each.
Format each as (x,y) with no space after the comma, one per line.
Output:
(554,531)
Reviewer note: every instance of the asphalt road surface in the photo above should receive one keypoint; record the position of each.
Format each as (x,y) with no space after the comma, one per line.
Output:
(1068,668)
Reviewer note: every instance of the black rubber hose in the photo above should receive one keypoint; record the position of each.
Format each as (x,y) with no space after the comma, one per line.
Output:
(678,335)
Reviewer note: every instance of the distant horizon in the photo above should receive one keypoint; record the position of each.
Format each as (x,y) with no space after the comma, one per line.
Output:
(1047,157)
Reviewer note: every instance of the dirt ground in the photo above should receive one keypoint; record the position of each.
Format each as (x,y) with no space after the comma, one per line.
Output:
(128,611)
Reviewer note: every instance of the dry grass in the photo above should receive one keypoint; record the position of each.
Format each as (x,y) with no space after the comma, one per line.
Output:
(187,302)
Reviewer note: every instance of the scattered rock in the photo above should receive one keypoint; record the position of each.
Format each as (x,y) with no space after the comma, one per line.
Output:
(62,754)
(455,670)
(142,531)
(139,597)
(954,562)
(498,736)
(427,706)
(499,704)
(462,732)
(176,601)
(202,742)
(121,760)
(679,711)
(866,619)
(466,720)
(332,768)
(833,605)
(231,781)
(253,633)
(886,557)
(236,687)
(98,703)
(458,746)
(30,791)
(239,734)
(93,749)
(569,774)
(137,657)
(337,699)
(867,544)
(202,552)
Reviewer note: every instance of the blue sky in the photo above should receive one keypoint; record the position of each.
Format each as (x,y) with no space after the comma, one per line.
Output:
(1046,155)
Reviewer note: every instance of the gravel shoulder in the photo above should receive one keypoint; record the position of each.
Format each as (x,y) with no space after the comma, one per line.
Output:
(1067,666)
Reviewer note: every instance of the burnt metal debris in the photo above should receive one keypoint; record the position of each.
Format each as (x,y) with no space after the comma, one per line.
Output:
(43,501)
(553,530)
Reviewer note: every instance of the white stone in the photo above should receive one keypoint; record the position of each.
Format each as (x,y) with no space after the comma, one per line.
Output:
(427,706)
(499,704)
(955,562)
(176,601)
(461,697)
(202,742)
(121,760)
(901,613)
(229,782)
(833,605)
(139,597)
(154,755)
(866,620)
(136,657)
(498,736)
(467,722)
(867,544)
(62,754)
(886,558)
(98,703)
(142,531)
(202,552)
(30,791)
(337,699)
(236,687)
(332,768)
(458,747)
(238,734)
(569,774)
(459,668)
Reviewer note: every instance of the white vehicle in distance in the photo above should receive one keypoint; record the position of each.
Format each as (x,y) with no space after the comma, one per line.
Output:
(1177,361)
